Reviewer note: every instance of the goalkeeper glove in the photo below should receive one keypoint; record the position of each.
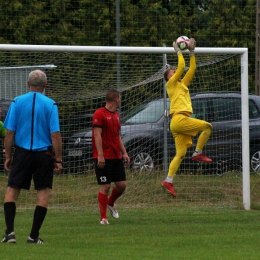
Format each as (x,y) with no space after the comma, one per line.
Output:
(192,46)
(176,48)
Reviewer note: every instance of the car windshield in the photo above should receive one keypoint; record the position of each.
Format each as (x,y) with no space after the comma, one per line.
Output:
(150,113)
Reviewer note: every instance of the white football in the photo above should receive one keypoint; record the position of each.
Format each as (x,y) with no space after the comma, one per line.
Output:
(183,42)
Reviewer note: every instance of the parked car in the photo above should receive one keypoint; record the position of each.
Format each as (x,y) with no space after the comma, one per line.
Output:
(143,135)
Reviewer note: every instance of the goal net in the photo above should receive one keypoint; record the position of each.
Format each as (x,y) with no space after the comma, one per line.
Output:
(78,78)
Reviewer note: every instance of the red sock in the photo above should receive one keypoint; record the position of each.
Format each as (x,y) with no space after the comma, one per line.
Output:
(102,202)
(115,194)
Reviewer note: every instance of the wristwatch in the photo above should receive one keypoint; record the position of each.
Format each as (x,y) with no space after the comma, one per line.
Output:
(58,161)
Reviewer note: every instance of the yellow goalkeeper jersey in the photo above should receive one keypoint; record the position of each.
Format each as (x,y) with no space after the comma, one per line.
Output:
(177,88)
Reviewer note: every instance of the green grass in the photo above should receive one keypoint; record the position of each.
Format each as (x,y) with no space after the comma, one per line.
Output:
(206,221)
(140,233)
(193,190)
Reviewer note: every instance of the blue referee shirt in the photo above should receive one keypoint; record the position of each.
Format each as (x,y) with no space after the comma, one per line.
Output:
(33,117)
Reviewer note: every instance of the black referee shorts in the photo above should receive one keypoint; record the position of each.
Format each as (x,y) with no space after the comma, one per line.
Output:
(28,165)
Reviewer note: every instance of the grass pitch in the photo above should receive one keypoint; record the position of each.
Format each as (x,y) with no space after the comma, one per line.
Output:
(206,221)
(139,233)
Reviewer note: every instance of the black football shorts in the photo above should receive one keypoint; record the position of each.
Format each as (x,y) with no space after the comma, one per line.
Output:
(113,171)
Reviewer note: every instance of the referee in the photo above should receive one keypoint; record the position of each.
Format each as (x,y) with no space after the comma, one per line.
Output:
(32,124)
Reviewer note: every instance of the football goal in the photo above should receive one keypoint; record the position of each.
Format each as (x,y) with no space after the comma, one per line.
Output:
(78,79)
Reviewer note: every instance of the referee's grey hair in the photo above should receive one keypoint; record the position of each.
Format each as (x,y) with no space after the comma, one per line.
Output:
(37,78)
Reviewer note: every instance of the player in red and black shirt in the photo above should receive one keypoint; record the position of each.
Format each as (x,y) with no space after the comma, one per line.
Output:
(109,154)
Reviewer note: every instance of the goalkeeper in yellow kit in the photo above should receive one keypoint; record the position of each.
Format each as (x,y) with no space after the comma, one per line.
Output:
(182,126)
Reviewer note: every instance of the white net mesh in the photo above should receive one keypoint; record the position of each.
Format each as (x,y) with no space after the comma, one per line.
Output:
(78,83)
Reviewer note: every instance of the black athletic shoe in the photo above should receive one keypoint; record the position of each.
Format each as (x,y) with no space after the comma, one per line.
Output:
(9,238)
(34,241)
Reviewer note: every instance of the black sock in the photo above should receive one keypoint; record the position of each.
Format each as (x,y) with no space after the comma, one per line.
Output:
(39,216)
(9,211)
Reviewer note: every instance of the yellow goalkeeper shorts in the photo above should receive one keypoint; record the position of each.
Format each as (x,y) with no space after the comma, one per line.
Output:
(184,127)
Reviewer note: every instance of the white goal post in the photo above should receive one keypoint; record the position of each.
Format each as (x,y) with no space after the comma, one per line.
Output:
(243,52)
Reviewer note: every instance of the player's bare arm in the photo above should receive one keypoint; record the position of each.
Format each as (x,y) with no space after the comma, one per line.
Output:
(99,146)
(124,153)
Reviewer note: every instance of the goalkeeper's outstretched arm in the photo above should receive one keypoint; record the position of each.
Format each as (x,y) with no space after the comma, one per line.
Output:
(192,46)
(173,75)
(190,73)
(181,62)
